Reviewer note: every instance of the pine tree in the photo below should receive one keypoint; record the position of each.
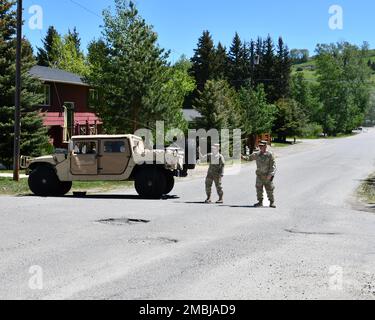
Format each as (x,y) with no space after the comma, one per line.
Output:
(283,71)
(203,60)
(221,63)
(254,59)
(73,36)
(69,57)
(205,66)
(46,56)
(34,140)
(219,106)
(239,68)
(268,69)
(258,70)
(132,74)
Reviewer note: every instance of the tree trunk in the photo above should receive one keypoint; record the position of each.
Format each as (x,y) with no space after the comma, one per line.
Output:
(252,145)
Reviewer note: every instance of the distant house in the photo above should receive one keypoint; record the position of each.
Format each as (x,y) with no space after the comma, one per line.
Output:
(66,106)
(191,114)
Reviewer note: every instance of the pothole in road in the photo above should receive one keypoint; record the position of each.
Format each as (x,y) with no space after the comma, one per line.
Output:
(122,221)
(312,233)
(368,289)
(148,240)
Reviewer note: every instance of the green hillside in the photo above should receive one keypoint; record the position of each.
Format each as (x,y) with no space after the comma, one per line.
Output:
(308,68)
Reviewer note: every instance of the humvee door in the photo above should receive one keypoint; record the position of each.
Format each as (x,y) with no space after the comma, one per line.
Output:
(114,156)
(84,157)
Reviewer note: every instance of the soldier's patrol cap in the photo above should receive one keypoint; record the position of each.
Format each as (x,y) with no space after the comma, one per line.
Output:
(216,145)
(263,143)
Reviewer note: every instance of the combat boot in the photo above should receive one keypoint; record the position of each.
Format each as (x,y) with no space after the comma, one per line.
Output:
(220,201)
(259,204)
(208,200)
(272,205)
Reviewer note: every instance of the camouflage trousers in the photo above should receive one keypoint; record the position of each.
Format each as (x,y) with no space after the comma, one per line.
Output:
(210,179)
(263,182)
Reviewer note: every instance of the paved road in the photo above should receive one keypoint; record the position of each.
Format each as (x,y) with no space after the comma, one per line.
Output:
(314,245)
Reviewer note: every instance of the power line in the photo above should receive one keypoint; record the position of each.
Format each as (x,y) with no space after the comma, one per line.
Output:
(85,8)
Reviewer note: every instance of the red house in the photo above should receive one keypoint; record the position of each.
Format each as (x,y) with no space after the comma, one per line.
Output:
(66,106)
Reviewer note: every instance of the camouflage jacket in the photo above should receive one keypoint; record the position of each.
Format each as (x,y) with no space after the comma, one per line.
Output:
(217,164)
(266,165)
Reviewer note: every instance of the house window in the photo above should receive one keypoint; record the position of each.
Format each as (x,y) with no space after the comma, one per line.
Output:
(46,91)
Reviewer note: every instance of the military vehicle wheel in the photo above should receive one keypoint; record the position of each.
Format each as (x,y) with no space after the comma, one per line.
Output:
(64,187)
(170,183)
(43,181)
(150,183)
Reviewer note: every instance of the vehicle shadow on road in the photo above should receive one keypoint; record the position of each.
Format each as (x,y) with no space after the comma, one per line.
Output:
(119,197)
(107,196)
(237,206)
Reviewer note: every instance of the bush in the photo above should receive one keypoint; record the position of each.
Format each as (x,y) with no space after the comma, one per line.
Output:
(312,130)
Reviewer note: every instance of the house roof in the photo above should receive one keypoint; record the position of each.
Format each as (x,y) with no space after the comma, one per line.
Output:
(56,75)
(81,118)
(191,114)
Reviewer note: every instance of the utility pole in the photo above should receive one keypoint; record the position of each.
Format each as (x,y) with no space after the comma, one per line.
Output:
(17,113)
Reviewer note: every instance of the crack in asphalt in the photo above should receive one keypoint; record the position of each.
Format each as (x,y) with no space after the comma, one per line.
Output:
(312,232)
(149,240)
(122,221)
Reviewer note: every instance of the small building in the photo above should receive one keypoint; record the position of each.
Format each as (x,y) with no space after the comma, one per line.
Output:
(66,106)
(191,114)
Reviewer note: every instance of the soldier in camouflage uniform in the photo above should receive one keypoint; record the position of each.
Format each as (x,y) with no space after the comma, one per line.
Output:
(266,169)
(215,173)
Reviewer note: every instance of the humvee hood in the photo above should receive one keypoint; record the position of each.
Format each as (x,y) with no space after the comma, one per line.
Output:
(49,159)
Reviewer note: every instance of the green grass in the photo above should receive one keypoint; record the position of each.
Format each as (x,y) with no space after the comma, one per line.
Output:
(281,145)
(339,136)
(11,171)
(310,75)
(10,187)
(366,191)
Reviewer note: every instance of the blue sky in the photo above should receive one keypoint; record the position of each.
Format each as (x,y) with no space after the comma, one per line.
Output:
(179,23)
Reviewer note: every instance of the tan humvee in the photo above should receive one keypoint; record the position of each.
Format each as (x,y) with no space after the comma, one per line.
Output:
(107,158)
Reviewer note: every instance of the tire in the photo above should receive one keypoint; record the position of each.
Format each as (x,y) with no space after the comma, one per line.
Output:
(44,182)
(169,183)
(150,183)
(64,187)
